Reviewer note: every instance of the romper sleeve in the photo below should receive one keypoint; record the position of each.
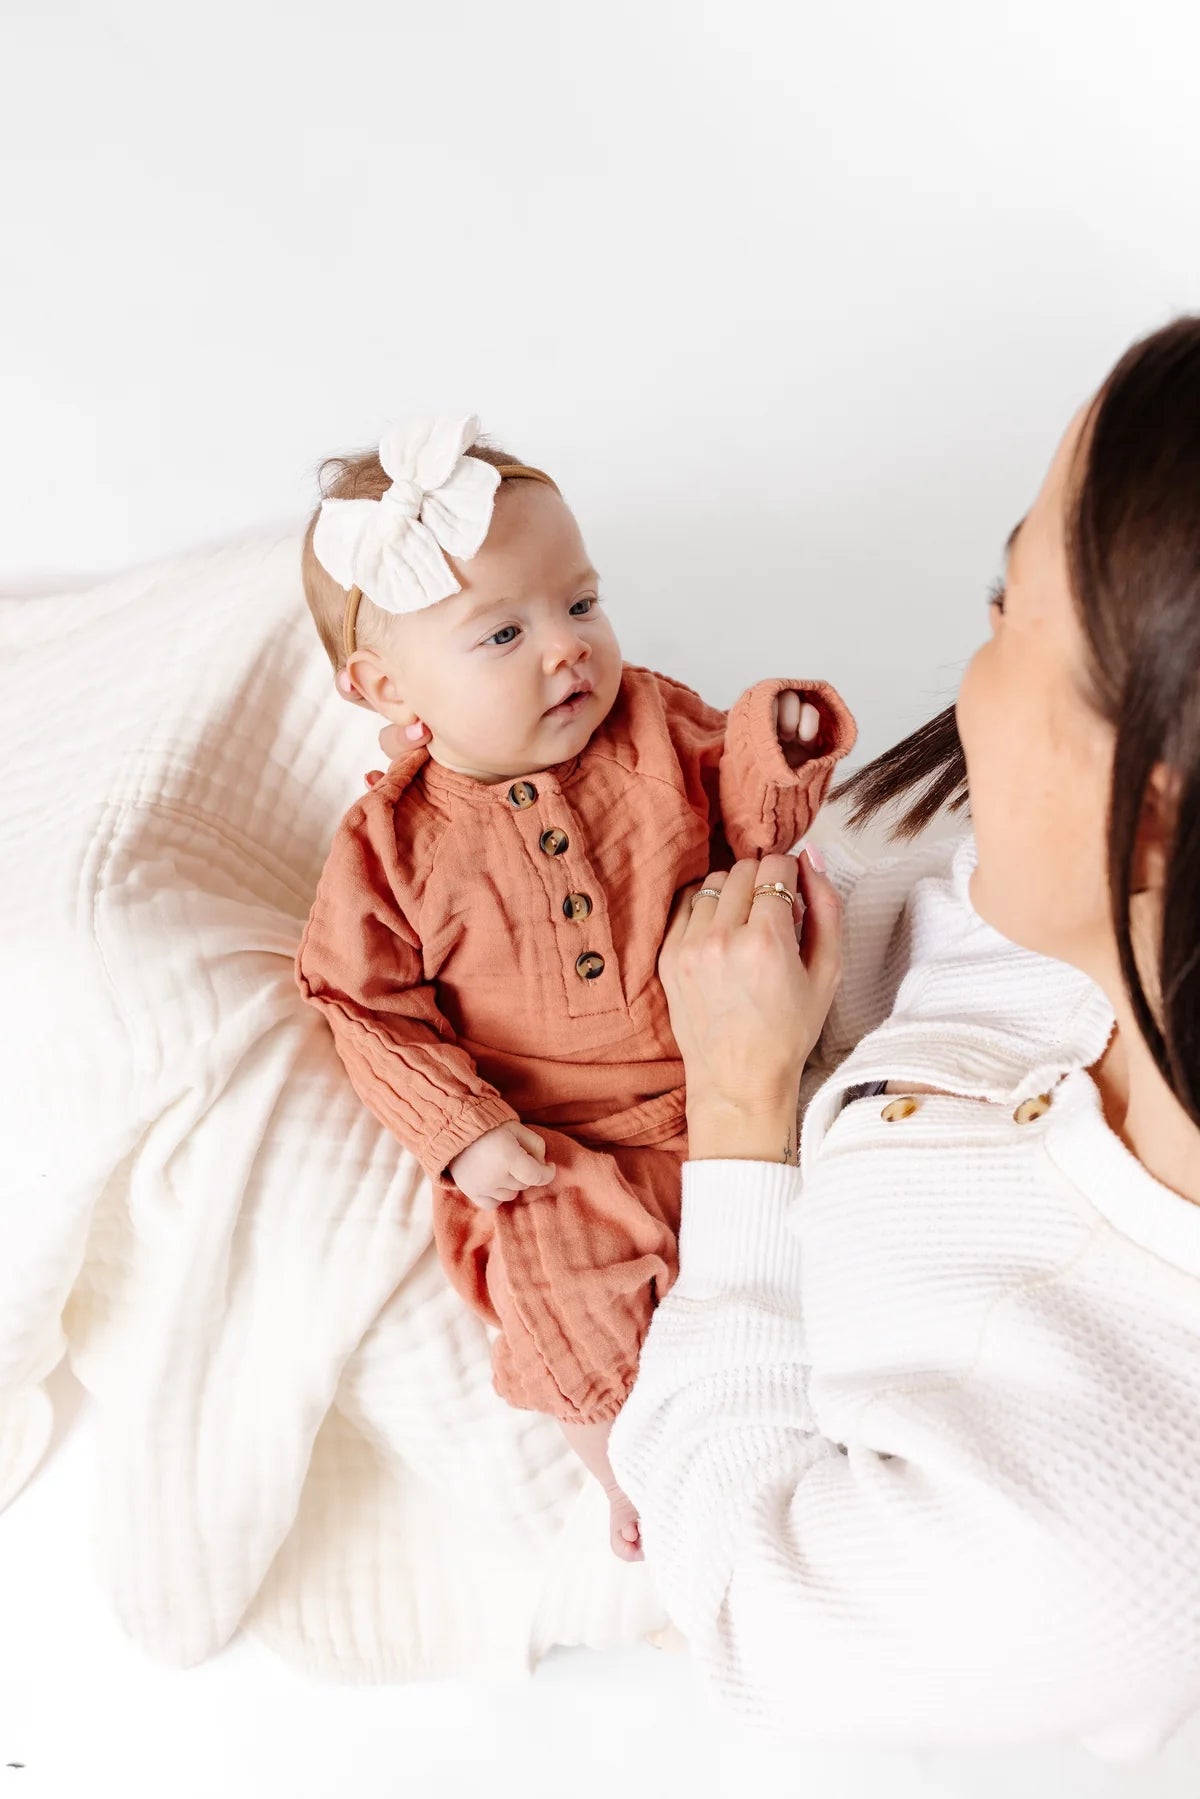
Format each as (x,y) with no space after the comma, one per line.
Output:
(734,767)
(766,805)
(360,964)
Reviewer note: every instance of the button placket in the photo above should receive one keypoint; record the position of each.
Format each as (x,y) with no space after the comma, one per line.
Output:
(556,840)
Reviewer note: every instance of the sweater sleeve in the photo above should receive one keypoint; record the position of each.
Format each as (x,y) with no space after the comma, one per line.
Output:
(909,1585)
(360,964)
(766,805)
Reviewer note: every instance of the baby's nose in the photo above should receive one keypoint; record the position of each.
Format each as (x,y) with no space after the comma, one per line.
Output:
(569,647)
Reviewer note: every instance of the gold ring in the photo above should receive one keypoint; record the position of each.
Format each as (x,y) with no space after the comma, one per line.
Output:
(706,893)
(777,890)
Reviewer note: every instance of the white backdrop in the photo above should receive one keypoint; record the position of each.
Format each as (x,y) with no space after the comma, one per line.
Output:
(793,297)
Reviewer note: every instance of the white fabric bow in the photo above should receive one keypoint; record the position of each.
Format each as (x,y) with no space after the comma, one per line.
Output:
(440,499)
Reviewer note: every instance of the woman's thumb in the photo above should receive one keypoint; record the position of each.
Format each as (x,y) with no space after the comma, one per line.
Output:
(821,931)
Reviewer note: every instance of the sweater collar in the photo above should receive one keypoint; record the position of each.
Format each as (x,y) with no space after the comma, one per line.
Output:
(1087,1151)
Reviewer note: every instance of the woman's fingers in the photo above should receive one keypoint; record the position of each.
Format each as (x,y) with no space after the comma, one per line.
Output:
(725,900)
(775,914)
(737,895)
(393,742)
(694,909)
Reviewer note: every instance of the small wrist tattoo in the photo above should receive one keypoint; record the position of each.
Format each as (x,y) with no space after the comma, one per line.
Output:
(789,1153)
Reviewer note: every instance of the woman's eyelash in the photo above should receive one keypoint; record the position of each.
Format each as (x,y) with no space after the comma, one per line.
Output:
(996,595)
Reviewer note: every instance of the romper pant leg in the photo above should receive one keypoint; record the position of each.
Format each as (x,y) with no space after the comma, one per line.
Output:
(572,1274)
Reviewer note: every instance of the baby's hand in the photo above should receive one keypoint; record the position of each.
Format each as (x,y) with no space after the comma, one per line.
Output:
(797,722)
(500,1165)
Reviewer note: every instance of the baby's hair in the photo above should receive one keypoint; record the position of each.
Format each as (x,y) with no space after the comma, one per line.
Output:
(358,476)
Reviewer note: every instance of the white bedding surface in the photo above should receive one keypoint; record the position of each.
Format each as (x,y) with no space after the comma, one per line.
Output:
(87,1712)
(295,1426)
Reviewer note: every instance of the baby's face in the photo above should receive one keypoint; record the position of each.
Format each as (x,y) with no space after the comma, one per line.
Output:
(514,673)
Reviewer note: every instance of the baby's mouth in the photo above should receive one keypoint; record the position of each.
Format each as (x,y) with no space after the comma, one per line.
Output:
(571,702)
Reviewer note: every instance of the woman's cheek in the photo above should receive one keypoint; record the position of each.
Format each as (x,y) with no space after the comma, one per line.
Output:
(967,707)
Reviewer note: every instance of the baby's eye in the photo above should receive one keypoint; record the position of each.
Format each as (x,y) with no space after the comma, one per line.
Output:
(506,634)
(581,608)
(996,596)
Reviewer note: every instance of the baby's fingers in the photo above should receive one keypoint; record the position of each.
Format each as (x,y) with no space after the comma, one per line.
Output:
(787,713)
(528,1170)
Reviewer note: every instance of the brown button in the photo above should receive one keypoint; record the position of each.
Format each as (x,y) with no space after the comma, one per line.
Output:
(589,965)
(522,794)
(898,1109)
(1029,1109)
(554,841)
(577,906)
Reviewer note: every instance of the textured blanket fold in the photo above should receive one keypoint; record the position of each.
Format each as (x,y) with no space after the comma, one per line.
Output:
(296,1425)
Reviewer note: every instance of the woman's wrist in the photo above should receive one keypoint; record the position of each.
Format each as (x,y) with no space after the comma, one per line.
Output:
(722,1129)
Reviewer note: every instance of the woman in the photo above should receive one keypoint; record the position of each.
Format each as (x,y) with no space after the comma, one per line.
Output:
(916,1436)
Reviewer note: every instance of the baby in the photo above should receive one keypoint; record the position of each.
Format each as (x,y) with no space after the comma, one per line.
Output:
(485,935)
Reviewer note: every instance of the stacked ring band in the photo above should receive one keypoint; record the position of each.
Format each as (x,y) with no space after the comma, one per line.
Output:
(777,890)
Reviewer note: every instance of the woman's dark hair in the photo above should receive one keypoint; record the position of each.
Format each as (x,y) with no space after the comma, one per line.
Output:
(1133,545)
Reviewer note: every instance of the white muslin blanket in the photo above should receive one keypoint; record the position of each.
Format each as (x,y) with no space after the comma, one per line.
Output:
(297,1431)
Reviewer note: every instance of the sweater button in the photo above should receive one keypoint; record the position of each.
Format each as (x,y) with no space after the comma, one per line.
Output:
(577,906)
(522,794)
(1029,1109)
(553,842)
(898,1109)
(589,965)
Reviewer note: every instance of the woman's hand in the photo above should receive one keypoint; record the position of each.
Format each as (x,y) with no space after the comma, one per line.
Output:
(749,990)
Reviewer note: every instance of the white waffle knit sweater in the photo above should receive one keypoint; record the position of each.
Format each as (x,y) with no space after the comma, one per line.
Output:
(916,1435)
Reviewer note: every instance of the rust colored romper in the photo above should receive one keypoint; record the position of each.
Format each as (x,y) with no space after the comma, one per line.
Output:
(488,953)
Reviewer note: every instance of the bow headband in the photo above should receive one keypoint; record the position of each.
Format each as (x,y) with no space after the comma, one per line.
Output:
(440,499)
